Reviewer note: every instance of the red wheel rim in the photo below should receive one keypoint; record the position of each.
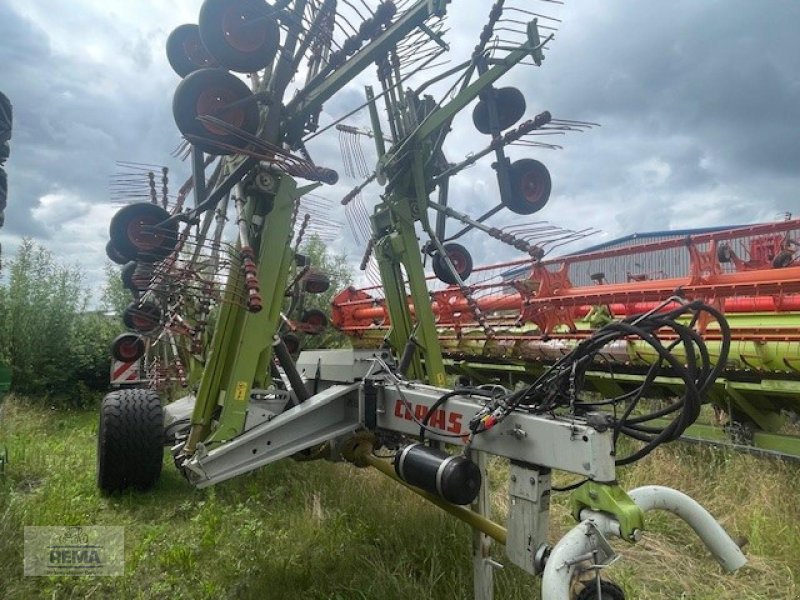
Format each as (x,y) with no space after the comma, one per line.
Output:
(128,349)
(140,281)
(143,233)
(211,101)
(143,322)
(316,321)
(459,261)
(244,28)
(532,187)
(197,54)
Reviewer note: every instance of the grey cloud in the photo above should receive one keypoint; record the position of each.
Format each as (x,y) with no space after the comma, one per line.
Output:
(699,104)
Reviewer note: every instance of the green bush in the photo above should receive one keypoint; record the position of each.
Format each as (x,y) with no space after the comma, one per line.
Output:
(57,350)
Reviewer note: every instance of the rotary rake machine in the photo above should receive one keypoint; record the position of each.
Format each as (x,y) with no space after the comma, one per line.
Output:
(213,315)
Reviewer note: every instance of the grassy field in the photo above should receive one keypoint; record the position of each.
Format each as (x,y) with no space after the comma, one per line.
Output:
(318,530)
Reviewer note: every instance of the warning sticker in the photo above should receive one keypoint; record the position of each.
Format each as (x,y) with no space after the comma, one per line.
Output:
(240,395)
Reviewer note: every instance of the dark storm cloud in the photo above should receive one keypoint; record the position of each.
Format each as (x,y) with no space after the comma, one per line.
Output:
(75,116)
(699,104)
(24,45)
(711,89)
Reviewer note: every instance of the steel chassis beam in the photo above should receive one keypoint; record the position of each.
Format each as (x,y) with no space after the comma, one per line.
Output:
(338,412)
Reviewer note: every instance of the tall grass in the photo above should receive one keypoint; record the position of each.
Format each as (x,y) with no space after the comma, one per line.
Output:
(320,531)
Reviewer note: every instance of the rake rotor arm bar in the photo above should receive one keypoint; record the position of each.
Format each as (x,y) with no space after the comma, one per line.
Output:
(321,91)
(225,186)
(448,111)
(473,224)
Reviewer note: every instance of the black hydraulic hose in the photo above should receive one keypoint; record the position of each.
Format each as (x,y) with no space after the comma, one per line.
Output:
(286,362)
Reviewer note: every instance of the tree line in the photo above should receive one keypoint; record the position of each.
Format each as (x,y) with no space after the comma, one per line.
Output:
(56,347)
(57,343)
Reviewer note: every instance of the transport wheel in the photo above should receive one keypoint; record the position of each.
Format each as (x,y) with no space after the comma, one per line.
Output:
(114,255)
(530,187)
(242,35)
(462,262)
(609,589)
(142,317)
(127,347)
(208,92)
(315,318)
(130,440)
(510,103)
(137,232)
(185,50)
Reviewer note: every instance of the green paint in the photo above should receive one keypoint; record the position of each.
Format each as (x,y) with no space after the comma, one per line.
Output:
(612,499)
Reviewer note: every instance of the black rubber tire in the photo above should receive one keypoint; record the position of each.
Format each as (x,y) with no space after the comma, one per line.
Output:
(130,441)
(206,91)
(315,318)
(136,276)
(724,253)
(6,123)
(461,259)
(186,52)
(530,187)
(610,590)
(511,107)
(142,276)
(783,259)
(3,189)
(242,35)
(133,234)
(126,275)
(142,317)
(127,347)
(316,282)
(113,254)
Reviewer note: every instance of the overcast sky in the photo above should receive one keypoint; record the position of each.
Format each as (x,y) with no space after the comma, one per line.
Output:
(699,103)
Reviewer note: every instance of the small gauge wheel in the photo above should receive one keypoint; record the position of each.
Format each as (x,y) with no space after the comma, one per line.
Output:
(143,317)
(316,282)
(242,35)
(209,92)
(724,253)
(510,106)
(530,187)
(186,52)
(461,260)
(126,275)
(127,347)
(315,318)
(609,591)
(114,255)
(783,259)
(138,232)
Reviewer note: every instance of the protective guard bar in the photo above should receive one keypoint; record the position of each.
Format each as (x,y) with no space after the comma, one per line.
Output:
(587,541)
